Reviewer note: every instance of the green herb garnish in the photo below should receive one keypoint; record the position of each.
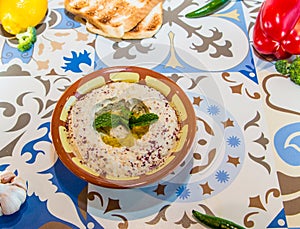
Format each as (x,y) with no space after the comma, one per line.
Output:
(111,120)
(108,120)
(143,120)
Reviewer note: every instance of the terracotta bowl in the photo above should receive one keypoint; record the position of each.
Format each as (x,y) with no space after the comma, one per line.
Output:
(166,86)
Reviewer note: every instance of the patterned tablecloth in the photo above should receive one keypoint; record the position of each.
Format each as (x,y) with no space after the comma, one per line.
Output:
(245,166)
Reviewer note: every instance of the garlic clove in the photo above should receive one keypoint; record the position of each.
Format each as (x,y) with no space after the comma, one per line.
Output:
(18,181)
(12,193)
(11,205)
(6,177)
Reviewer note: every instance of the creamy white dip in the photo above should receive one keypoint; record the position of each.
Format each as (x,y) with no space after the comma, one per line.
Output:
(146,154)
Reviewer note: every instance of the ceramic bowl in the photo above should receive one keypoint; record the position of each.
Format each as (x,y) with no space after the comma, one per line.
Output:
(174,94)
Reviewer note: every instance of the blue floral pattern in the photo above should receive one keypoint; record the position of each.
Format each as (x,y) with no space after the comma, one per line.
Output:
(222,176)
(233,141)
(73,63)
(213,110)
(182,192)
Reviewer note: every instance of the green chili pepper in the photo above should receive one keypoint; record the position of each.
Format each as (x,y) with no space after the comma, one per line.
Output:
(216,222)
(208,9)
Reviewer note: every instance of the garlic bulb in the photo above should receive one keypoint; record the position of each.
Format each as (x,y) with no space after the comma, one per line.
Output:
(12,193)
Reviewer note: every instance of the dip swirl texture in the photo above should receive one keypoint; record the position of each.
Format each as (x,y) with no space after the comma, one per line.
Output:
(146,154)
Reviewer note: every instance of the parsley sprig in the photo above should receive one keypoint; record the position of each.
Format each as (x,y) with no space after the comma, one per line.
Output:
(111,120)
(143,120)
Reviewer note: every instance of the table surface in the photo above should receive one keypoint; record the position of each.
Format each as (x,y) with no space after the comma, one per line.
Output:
(245,166)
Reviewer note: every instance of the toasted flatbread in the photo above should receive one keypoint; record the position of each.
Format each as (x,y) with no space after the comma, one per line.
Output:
(112,18)
(146,28)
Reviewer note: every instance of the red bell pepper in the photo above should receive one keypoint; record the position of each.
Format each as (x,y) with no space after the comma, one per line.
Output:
(277,28)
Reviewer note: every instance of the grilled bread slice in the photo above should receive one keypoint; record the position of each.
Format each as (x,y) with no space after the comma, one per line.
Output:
(112,18)
(146,28)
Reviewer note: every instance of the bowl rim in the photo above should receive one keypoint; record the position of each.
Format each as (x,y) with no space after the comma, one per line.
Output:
(144,179)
